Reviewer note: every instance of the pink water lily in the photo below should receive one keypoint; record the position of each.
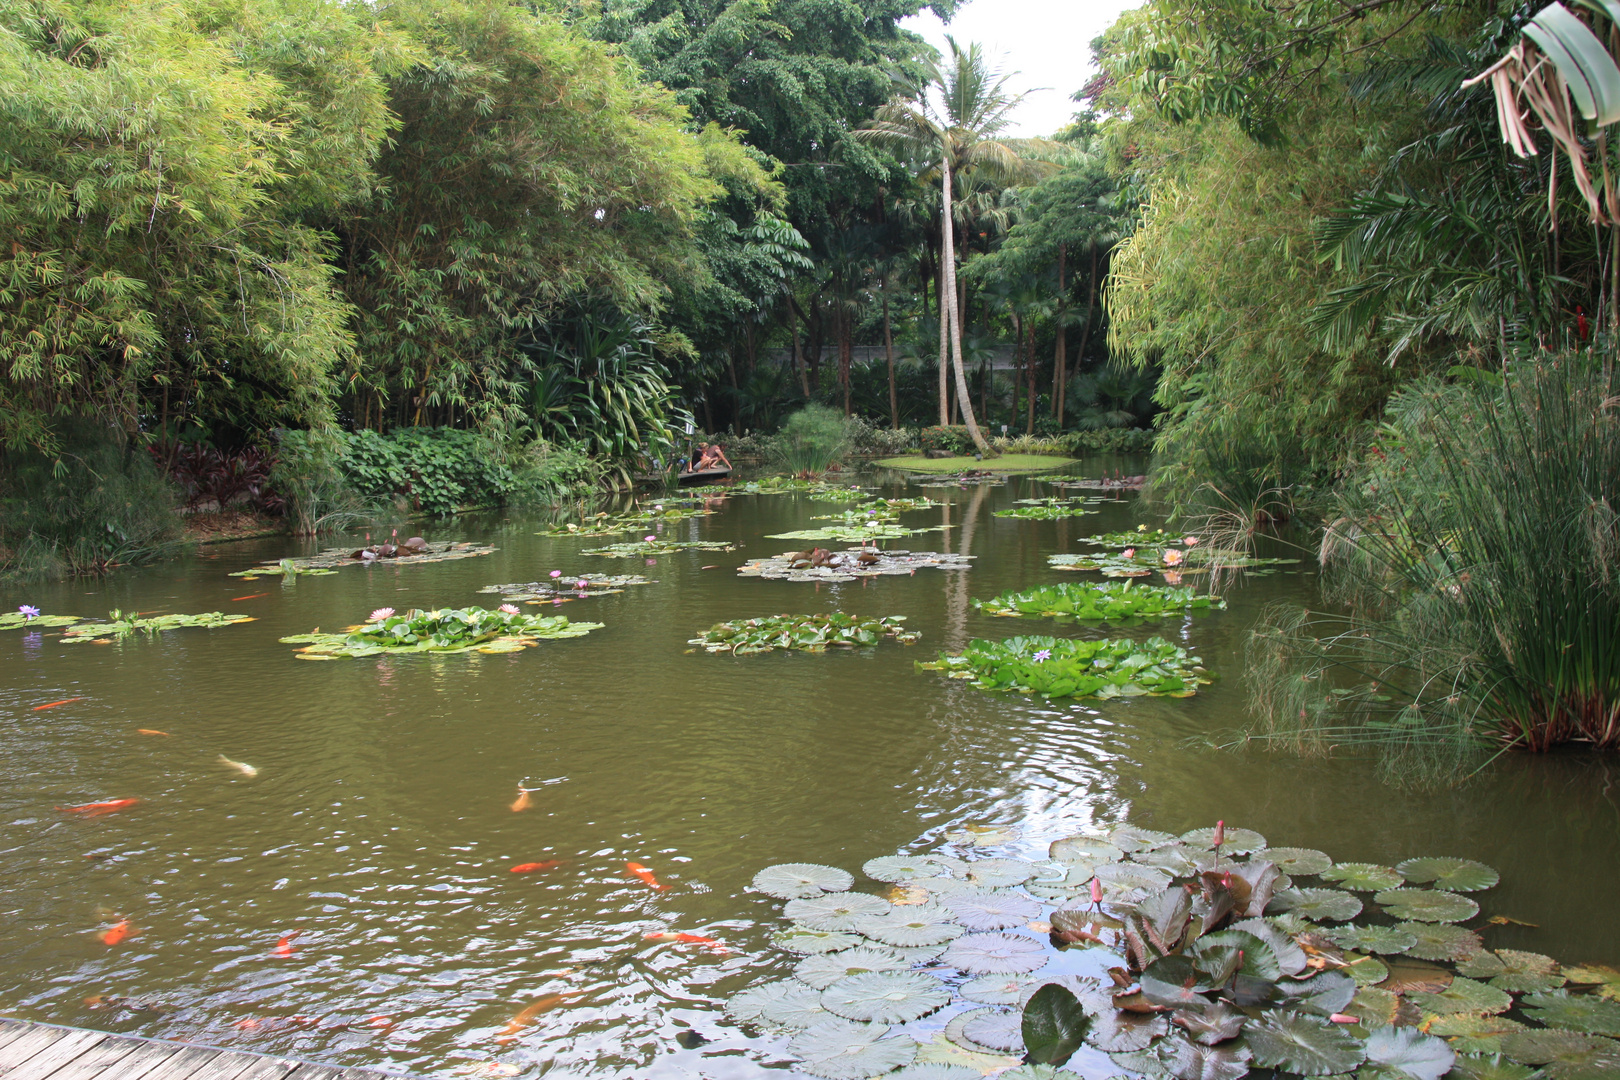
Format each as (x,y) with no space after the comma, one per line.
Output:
(29,612)
(649,539)
(1128,553)
(583,584)
(1172,557)
(1042,654)
(1189,540)
(381,613)
(509,609)
(556,573)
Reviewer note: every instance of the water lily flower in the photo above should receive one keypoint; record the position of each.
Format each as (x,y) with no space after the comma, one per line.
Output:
(1189,540)
(583,584)
(1096,891)
(1128,553)
(1220,833)
(649,539)
(1172,557)
(556,573)
(381,613)
(29,612)
(1172,577)
(1141,528)
(1043,654)
(659,508)
(509,609)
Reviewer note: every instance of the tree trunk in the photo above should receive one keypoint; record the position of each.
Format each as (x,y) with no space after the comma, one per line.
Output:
(845,356)
(798,352)
(1091,303)
(944,344)
(1018,363)
(948,257)
(1060,362)
(1029,361)
(888,352)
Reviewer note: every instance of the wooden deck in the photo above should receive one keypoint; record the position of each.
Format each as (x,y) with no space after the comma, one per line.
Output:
(32,1051)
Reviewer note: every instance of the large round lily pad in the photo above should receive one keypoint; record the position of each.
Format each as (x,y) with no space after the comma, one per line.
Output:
(1372,939)
(1454,875)
(910,927)
(750,1004)
(936,1070)
(1234,842)
(1303,1044)
(1133,876)
(1574,1012)
(1363,877)
(1489,1067)
(1084,849)
(999,1030)
(1130,838)
(1426,905)
(1000,989)
(824,969)
(796,1008)
(1000,873)
(798,939)
(1410,1053)
(995,954)
(790,881)
(906,867)
(837,912)
(1438,941)
(1464,996)
(1366,970)
(1526,972)
(886,997)
(1564,1055)
(956,1030)
(1298,861)
(1320,905)
(984,911)
(845,1051)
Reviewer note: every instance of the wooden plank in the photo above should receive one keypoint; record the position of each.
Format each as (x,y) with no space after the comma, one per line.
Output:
(32,1042)
(60,1053)
(267,1068)
(11,1030)
(175,1066)
(145,1057)
(89,1065)
(315,1072)
(228,1065)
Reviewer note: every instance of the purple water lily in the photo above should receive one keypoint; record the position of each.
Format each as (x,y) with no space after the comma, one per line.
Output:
(29,612)
(1042,654)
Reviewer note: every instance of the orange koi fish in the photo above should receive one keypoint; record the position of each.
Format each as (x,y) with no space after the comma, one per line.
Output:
(688,939)
(534,1009)
(152,731)
(117,932)
(645,875)
(255,596)
(96,809)
(284,947)
(54,704)
(532,867)
(522,801)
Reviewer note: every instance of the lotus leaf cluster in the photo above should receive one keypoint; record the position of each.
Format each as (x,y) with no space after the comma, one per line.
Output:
(807,633)
(569,585)
(16,620)
(641,548)
(328,560)
(792,485)
(1140,537)
(861,515)
(119,625)
(839,494)
(1060,667)
(1045,511)
(439,632)
(870,530)
(903,505)
(707,490)
(851,564)
(1211,973)
(1143,561)
(1100,601)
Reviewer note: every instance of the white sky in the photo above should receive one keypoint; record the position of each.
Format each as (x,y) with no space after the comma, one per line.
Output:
(1047,41)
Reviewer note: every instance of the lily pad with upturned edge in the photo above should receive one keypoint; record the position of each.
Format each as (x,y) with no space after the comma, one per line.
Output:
(791,881)
(1454,875)
(845,1051)
(885,997)
(1584,1013)
(1234,842)
(1440,941)
(995,954)
(839,911)
(1426,905)
(822,970)
(1363,877)
(1299,862)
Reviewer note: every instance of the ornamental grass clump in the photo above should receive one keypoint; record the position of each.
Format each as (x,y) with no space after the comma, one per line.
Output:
(1477,553)
(1059,667)
(810,440)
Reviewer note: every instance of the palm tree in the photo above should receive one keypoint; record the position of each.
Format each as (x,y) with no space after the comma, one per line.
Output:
(953,116)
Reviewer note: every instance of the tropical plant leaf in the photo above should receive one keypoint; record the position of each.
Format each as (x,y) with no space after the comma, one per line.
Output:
(1000,989)
(1084,850)
(1300,862)
(1374,1008)
(805,633)
(1319,905)
(837,912)
(798,939)
(1366,970)
(791,881)
(1438,941)
(1099,601)
(1038,1072)
(999,1029)
(1290,957)
(999,873)
(1116,1030)
(1373,939)
(440,632)
(16,620)
(1410,1053)
(995,954)
(956,1029)
(824,969)
(1291,924)
(1363,877)
(1069,667)
(992,912)
(1324,994)
(885,997)
(1235,842)
(1426,905)
(1587,1014)
(1303,1044)
(1454,875)
(1179,859)
(1187,1060)
(845,1051)
(1464,996)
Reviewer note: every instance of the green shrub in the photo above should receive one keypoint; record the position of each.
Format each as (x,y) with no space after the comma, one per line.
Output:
(810,440)
(1108,440)
(873,440)
(953,437)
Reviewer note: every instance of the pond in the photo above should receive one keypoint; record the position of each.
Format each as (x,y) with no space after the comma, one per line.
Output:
(379,826)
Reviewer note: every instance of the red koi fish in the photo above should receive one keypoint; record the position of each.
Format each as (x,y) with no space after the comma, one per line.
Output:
(96,809)
(54,704)
(645,875)
(688,939)
(284,947)
(117,932)
(534,1009)
(522,801)
(533,867)
(255,596)
(152,731)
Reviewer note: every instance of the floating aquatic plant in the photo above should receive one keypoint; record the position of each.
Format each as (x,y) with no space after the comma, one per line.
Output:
(328,560)
(1142,561)
(1046,511)
(807,633)
(790,485)
(120,625)
(1104,669)
(860,515)
(1209,982)
(839,494)
(1103,601)
(871,530)
(821,565)
(567,585)
(439,632)
(961,479)
(1138,538)
(18,620)
(653,546)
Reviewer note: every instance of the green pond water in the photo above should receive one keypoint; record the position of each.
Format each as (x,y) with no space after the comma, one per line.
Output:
(379,823)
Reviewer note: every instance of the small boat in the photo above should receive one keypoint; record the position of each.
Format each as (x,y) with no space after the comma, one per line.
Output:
(704,476)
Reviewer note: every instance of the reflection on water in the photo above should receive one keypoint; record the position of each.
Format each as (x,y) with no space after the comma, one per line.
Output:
(379,825)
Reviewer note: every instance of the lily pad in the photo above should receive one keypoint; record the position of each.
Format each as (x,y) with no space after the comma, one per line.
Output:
(1470,1033)
(644,548)
(1212,1024)
(956,1030)
(821,971)
(1426,905)
(1187,1060)
(846,1051)
(1454,875)
(805,633)
(1464,996)
(1038,1072)
(120,625)
(796,1008)
(1069,667)
(1116,1030)
(326,561)
(1130,838)
(1084,849)
(1000,989)
(838,912)
(791,881)
(1366,970)
(1363,877)
(750,1004)
(1564,1055)
(998,912)
(1526,972)
(800,940)
(885,997)
(1319,905)
(1408,976)
(1373,939)
(1302,1044)
(911,926)
(995,954)
(1179,859)
(440,632)
(1606,979)
(1410,1053)
(936,1070)
(16,620)
(1438,941)
(1001,1030)
(1297,861)
(1000,873)
(1489,1067)
(984,835)
(1100,601)
(940,1049)
(1374,1008)
(905,867)
(1234,842)
(1584,1013)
